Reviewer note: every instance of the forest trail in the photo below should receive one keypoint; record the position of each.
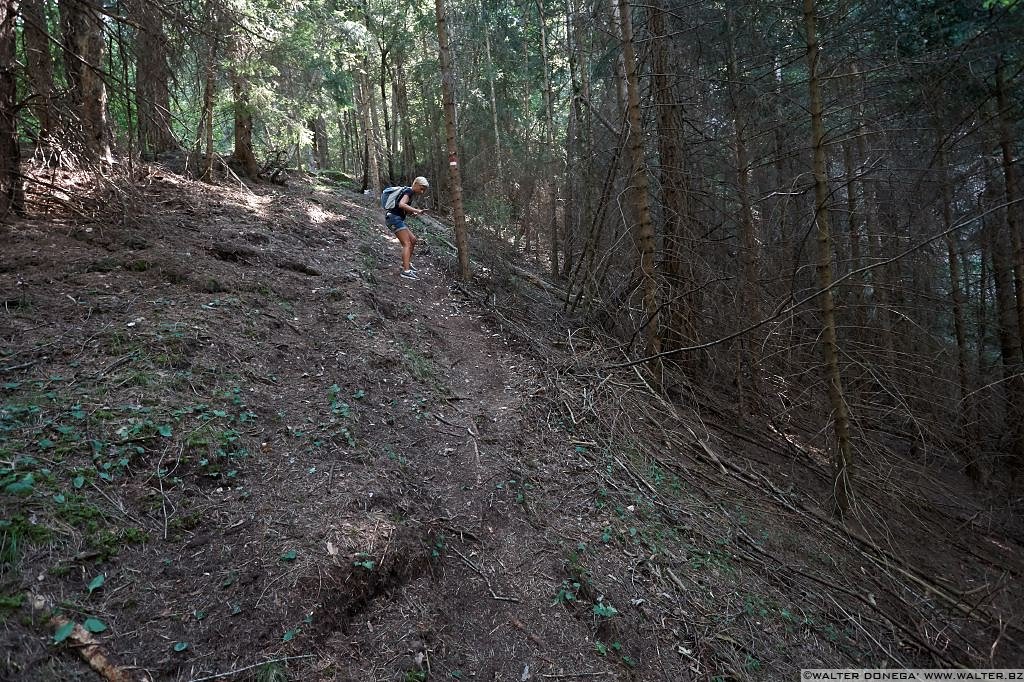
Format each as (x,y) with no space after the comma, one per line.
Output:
(283,459)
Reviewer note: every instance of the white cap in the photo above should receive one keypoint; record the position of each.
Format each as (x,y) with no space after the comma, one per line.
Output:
(421,181)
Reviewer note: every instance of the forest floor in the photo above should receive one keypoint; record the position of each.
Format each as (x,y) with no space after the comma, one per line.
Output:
(237,445)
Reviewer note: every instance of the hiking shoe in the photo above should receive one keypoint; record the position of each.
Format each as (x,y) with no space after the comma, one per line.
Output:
(409,274)
(413,267)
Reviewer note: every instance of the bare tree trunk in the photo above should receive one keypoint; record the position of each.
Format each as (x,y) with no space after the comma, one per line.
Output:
(243,152)
(40,65)
(376,148)
(206,118)
(494,103)
(10,157)
(1006,144)
(434,124)
(448,94)
(402,102)
(549,130)
(638,184)
(1000,250)
(959,326)
(573,204)
(320,148)
(152,78)
(84,35)
(382,80)
(620,69)
(880,281)
(748,237)
(371,174)
(853,227)
(678,329)
(842,458)
(345,141)
(982,309)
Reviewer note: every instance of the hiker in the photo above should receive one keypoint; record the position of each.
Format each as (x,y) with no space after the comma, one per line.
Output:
(395,218)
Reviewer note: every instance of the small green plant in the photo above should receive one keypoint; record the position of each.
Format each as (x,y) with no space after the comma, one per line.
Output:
(338,406)
(138,265)
(271,672)
(754,605)
(9,603)
(418,364)
(402,460)
(567,593)
(97,582)
(438,548)
(364,561)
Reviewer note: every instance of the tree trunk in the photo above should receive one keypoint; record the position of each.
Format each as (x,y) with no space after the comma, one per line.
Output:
(371,174)
(448,94)
(40,65)
(638,185)
(375,147)
(549,146)
(320,148)
(620,68)
(10,157)
(243,153)
(853,227)
(982,309)
(1006,144)
(748,238)
(434,124)
(494,103)
(842,458)
(402,102)
(382,81)
(206,118)
(880,282)
(152,77)
(959,326)
(84,36)
(678,329)
(1000,250)
(573,200)
(345,141)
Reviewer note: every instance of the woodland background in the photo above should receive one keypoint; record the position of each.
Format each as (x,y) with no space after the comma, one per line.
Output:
(714,369)
(814,209)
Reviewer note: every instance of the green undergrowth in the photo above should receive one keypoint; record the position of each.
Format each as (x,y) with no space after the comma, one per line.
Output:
(76,461)
(697,549)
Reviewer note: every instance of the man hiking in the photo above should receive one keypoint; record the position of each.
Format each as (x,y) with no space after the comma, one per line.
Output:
(395,218)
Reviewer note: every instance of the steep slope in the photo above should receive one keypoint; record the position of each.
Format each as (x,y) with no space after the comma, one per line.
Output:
(284,459)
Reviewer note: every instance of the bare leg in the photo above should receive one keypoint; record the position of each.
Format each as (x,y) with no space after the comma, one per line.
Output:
(408,241)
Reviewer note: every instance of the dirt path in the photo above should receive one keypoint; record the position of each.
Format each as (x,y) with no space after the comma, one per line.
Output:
(471,478)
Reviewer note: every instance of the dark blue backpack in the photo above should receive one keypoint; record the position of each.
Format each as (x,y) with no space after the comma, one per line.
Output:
(390,197)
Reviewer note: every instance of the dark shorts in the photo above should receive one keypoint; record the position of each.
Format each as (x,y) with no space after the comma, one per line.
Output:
(395,222)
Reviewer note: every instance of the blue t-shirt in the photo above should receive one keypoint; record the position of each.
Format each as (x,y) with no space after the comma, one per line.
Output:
(407,192)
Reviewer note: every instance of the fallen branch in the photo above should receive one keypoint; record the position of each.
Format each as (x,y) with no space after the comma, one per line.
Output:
(229,673)
(479,572)
(87,646)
